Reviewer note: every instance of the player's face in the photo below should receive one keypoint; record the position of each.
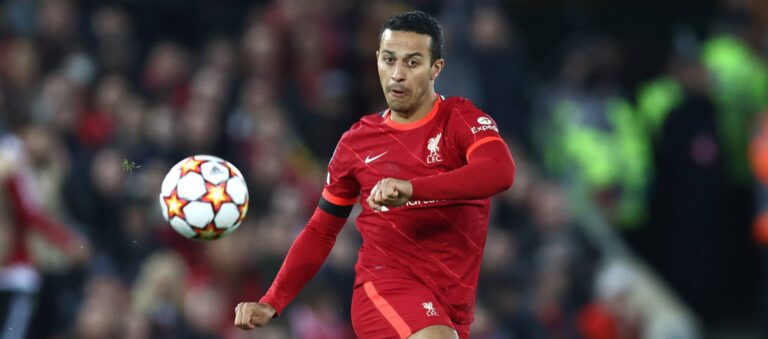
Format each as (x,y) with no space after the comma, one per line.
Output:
(405,69)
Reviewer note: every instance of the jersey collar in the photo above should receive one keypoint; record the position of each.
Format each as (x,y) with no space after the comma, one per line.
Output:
(416,124)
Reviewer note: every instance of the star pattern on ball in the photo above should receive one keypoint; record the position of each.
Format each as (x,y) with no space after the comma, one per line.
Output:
(216,195)
(191,165)
(175,205)
(209,232)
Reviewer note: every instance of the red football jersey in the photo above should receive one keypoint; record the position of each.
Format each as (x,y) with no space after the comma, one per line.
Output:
(438,242)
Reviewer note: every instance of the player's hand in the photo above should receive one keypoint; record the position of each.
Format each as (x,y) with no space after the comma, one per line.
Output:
(251,315)
(390,192)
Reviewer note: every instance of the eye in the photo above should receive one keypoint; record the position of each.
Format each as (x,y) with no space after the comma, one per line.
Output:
(389,59)
(412,63)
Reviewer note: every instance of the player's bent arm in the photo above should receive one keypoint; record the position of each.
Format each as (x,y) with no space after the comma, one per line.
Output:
(489,170)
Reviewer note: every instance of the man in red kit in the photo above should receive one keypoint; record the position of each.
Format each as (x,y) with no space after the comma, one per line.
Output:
(20,214)
(425,168)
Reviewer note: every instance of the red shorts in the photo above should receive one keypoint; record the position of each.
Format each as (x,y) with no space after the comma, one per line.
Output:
(396,308)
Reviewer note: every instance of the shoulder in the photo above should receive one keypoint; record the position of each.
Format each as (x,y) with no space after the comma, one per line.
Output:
(363,128)
(467,122)
(461,105)
(463,109)
(366,123)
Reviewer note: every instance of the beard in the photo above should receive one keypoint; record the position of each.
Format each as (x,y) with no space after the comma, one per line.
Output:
(400,104)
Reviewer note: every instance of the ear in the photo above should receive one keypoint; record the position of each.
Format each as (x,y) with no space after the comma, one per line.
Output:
(377,54)
(437,67)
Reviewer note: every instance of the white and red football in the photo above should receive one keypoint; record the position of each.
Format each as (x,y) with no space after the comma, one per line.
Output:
(204,197)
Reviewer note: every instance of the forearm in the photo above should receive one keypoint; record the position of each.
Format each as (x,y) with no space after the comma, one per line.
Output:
(490,170)
(304,259)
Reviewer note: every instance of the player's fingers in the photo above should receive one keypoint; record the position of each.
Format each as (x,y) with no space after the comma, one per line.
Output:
(252,321)
(238,314)
(388,187)
(389,196)
(382,194)
(236,307)
(248,312)
(371,203)
(397,187)
(244,317)
(377,195)
(374,190)
(262,316)
(393,193)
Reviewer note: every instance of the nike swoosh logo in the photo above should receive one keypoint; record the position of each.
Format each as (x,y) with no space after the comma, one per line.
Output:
(369,160)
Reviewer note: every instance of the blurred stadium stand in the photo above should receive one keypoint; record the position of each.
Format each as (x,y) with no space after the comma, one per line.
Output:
(630,122)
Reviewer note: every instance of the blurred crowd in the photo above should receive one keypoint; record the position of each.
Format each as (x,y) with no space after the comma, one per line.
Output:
(99,100)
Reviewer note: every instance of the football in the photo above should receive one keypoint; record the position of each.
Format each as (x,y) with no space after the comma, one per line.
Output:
(204,197)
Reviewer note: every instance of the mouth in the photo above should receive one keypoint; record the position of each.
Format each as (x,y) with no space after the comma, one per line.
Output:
(398,92)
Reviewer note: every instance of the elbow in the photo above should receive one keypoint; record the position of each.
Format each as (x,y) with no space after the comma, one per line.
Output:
(507,175)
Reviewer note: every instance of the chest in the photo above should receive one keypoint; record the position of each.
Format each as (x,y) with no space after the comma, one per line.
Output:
(387,153)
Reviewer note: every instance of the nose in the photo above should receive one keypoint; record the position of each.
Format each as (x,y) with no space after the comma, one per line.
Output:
(398,75)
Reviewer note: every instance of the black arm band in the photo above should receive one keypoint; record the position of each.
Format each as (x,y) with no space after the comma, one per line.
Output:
(333,209)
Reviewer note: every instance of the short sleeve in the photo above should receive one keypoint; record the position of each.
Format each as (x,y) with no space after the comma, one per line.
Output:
(471,128)
(341,187)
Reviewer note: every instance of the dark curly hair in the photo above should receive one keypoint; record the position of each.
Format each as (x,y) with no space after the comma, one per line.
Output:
(421,23)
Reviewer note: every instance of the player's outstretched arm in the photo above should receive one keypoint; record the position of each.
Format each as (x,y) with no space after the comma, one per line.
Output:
(304,259)
(249,315)
(490,170)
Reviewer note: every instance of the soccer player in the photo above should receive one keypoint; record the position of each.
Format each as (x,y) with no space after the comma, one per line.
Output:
(21,212)
(423,171)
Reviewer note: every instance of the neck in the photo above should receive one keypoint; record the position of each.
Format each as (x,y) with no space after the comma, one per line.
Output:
(418,112)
